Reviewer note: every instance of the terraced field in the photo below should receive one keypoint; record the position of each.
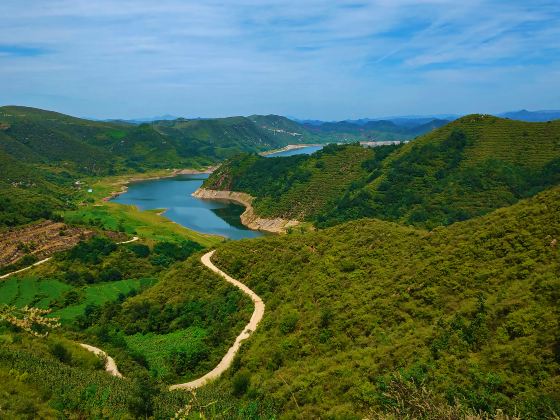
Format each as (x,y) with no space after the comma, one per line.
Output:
(43,293)
(31,291)
(529,145)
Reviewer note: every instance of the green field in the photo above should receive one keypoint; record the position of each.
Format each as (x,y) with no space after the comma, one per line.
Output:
(146,224)
(41,293)
(98,294)
(31,291)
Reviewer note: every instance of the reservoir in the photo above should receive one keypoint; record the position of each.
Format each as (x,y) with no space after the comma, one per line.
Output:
(206,216)
(301,151)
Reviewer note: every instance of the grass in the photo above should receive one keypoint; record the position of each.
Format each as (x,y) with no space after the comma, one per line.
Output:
(28,290)
(41,293)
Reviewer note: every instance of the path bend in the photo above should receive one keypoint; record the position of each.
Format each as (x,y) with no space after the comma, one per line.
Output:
(110,365)
(227,360)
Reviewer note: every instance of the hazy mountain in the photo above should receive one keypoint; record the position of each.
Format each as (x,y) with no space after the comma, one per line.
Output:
(532,116)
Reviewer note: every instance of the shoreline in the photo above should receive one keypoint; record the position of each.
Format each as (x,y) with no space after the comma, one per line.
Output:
(288,147)
(248,218)
(175,172)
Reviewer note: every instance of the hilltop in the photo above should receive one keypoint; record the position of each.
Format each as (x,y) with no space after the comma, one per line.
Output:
(465,169)
(97,147)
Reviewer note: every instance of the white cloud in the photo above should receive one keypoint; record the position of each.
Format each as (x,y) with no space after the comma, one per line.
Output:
(314,58)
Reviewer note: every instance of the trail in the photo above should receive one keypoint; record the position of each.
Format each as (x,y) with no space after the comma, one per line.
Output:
(110,365)
(5,276)
(134,239)
(226,361)
(25,269)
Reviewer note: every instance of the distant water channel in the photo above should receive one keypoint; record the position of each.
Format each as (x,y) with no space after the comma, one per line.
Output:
(215,217)
(301,151)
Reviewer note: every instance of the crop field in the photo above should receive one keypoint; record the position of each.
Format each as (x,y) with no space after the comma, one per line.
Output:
(32,291)
(157,348)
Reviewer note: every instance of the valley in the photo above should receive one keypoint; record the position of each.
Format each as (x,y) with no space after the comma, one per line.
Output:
(421,270)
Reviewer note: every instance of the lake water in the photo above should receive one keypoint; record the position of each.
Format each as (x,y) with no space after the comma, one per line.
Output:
(206,216)
(301,151)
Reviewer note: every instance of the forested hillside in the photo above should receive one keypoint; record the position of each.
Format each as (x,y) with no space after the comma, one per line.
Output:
(366,319)
(467,168)
(98,147)
(371,317)
(297,187)
(43,153)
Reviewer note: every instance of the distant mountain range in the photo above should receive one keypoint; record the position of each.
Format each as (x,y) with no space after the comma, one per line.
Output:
(415,120)
(532,116)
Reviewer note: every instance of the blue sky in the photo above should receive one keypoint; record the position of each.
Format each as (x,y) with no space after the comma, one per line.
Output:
(305,58)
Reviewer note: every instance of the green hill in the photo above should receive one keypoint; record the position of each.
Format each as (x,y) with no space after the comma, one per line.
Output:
(42,153)
(29,192)
(370,317)
(464,169)
(286,130)
(298,187)
(96,147)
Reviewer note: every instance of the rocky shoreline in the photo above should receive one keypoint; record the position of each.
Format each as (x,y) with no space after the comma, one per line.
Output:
(248,218)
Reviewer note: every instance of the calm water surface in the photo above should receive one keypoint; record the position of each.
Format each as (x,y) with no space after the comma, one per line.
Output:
(206,216)
(302,151)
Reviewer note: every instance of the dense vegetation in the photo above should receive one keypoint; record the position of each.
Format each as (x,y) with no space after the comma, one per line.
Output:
(43,154)
(295,187)
(360,314)
(369,318)
(104,294)
(465,169)
(54,378)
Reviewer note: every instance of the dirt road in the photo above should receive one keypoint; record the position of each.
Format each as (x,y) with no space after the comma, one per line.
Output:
(110,365)
(226,361)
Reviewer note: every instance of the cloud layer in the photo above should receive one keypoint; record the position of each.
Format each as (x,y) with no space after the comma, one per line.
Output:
(316,59)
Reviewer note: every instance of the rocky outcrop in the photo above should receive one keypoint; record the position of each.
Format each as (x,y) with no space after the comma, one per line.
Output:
(248,218)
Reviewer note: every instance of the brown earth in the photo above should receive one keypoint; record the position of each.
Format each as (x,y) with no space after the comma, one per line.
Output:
(39,239)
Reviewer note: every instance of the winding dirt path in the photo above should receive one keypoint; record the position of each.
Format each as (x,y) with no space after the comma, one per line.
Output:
(5,276)
(110,365)
(134,239)
(226,361)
